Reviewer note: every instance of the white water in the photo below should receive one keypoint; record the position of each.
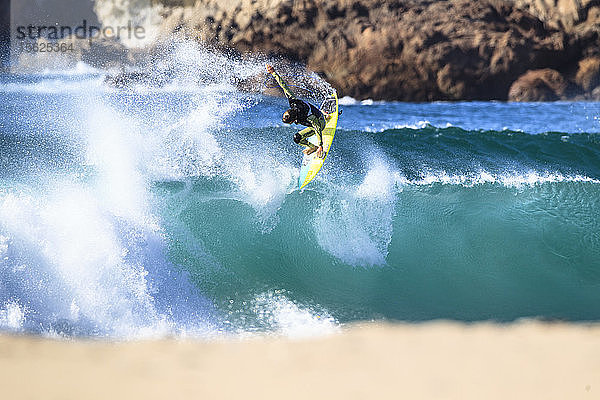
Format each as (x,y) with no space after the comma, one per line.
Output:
(85,252)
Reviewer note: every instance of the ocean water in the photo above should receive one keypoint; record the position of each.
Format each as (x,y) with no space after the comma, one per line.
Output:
(174,211)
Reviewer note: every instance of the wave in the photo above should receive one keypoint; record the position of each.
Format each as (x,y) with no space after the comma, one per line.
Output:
(407,252)
(141,214)
(85,241)
(350,101)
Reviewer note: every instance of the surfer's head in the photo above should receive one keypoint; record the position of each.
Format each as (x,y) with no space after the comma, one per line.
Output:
(290,116)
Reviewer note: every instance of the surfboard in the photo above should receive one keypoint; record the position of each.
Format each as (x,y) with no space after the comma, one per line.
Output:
(312,164)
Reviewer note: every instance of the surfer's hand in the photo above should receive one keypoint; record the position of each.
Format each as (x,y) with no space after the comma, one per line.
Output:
(320,151)
(270,69)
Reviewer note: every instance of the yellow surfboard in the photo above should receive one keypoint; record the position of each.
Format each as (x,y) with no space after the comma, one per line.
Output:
(312,164)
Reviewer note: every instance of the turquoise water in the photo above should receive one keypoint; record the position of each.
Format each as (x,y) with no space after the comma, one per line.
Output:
(153,212)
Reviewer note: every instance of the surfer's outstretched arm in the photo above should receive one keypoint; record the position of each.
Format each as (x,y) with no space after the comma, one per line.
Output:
(286,90)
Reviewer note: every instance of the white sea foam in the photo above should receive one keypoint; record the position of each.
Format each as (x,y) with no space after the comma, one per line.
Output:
(381,127)
(356,225)
(347,101)
(3,247)
(80,68)
(54,84)
(350,101)
(287,318)
(72,256)
(88,255)
(262,188)
(12,316)
(507,178)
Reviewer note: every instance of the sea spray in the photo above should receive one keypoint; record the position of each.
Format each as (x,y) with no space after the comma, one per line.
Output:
(84,245)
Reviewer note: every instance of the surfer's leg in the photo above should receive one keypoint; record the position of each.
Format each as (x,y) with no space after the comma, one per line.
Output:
(300,138)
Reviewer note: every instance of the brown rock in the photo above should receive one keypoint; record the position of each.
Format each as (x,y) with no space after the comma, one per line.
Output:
(539,85)
(412,50)
(588,75)
(572,15)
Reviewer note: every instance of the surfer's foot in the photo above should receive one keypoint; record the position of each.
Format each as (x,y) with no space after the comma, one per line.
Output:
(309,150)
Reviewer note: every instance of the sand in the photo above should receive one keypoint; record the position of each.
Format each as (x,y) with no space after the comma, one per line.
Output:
(439,360)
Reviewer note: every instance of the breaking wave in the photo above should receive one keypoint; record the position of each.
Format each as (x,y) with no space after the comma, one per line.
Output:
(174,211)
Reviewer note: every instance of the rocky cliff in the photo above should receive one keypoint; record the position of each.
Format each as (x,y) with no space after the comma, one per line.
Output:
(571,15)
(413,50)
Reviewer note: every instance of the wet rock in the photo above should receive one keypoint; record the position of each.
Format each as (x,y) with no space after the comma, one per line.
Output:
(539,85)
(411,50)
(571,15)
(588,75)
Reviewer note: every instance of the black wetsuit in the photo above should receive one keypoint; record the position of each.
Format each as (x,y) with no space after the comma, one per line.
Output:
(308,115)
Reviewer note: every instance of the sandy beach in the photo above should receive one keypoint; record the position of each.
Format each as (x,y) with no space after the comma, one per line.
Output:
(440,360)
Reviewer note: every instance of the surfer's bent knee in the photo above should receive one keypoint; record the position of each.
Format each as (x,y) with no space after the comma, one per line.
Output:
(297,138)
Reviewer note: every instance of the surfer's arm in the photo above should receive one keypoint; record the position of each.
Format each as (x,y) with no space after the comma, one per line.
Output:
(286,90)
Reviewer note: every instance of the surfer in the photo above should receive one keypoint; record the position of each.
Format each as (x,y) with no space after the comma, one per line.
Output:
(303,113)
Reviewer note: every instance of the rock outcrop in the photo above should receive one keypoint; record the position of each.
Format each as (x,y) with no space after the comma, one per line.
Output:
(539,85)
(411,50)
(571,15)
(588,74)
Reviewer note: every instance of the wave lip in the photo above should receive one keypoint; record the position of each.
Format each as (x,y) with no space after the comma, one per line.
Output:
(506,179)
